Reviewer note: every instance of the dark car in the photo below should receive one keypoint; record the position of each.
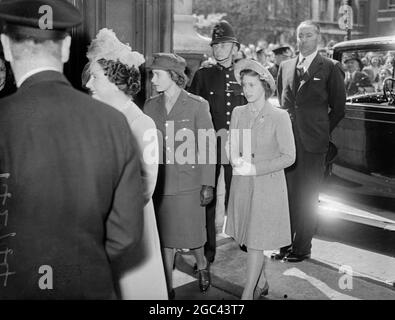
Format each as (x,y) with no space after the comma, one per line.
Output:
(365,138)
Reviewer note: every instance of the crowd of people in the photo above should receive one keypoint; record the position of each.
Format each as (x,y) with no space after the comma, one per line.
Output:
(365,71)
(105,193)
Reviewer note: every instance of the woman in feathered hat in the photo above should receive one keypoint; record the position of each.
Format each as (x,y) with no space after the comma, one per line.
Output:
(115,80)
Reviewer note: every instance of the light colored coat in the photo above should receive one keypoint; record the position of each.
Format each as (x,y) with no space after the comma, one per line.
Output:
(258,212)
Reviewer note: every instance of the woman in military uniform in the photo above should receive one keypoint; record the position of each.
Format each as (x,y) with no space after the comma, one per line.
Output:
(185,186)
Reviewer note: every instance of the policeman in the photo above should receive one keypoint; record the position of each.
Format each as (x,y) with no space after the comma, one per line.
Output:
(219,87)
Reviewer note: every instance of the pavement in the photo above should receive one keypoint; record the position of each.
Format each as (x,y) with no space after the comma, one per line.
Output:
(335,271)
(353,257)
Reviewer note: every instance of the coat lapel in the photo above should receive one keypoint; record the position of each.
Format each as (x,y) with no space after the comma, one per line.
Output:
(179,104)
(261,115)
(313,69)
(292,69)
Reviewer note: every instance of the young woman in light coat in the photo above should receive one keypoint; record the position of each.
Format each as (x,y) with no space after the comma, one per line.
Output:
(261,147)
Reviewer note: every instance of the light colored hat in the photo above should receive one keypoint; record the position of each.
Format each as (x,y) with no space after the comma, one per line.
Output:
(107,46)
(264,74)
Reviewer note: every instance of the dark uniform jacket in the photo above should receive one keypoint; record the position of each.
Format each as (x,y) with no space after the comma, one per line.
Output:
(317,105)
(72,174)
(219,87)
(189,114)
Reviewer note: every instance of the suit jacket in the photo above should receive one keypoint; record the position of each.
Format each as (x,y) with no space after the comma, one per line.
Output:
(219,87)
(359,80)
(317,105)
(74,180)
(189,114)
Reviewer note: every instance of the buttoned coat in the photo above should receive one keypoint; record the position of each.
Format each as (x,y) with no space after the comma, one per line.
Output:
(189,114)
(258,213)
(219,87)
(75,200)
(317,105)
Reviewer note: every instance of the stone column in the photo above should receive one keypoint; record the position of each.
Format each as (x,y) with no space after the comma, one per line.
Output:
(331,11)
(186,41)
(315,10)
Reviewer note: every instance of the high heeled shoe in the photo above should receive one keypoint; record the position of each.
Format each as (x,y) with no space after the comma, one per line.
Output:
(261,292)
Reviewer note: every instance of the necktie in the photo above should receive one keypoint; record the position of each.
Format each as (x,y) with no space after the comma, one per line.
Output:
(300,68)
(299,73)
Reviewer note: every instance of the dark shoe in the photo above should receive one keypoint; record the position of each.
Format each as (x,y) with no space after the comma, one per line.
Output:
(204,279)
(172,295)
(292,257)
(279,256)
(261,292)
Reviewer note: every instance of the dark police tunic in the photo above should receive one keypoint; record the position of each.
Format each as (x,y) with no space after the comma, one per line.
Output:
(70,170)
(219,87)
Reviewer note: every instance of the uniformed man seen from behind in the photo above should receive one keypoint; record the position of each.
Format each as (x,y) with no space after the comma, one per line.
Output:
(70,166)
(219,87)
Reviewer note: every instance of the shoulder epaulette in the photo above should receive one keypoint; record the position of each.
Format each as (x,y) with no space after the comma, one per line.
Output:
(196,98)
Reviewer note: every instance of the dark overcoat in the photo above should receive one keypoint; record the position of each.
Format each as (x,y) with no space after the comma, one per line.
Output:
(71,172)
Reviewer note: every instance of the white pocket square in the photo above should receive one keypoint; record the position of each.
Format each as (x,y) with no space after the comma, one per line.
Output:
(317,79)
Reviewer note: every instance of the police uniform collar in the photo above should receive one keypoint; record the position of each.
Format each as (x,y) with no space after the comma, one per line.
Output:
(221,67)
(44,76)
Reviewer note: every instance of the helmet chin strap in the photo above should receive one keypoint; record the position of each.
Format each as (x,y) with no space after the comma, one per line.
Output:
(229,55)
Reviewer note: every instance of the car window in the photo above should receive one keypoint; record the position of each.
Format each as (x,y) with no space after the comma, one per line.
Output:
(365,71)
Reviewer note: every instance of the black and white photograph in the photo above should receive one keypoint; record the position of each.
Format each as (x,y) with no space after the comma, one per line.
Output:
(210,152)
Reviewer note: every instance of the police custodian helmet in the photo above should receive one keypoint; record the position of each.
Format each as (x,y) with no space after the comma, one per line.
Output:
(223,32)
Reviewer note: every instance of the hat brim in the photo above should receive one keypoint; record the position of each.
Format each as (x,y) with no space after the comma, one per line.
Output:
(225,39)
(355,59)
(247,64)
(160,67)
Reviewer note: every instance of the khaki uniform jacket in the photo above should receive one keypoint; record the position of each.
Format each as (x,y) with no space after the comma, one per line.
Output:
(187,164)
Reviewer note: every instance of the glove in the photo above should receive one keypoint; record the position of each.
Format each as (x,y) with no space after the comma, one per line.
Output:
(206,195)
(244,169)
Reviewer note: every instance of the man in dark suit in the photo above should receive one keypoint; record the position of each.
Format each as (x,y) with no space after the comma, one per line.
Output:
(68,165)
(311,88)
(217,85)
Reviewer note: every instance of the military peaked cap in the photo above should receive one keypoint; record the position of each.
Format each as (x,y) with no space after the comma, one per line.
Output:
(39,19)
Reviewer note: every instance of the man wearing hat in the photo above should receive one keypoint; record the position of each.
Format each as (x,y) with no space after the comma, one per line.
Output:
(311,88)
(281,54)
(219,87)
(356,81)
(185,180)
(69,164)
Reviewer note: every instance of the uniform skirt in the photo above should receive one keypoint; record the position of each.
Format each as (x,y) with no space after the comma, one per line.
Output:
(181,220)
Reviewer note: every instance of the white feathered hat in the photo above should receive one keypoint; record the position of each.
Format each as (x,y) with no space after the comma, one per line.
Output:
(107,46)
